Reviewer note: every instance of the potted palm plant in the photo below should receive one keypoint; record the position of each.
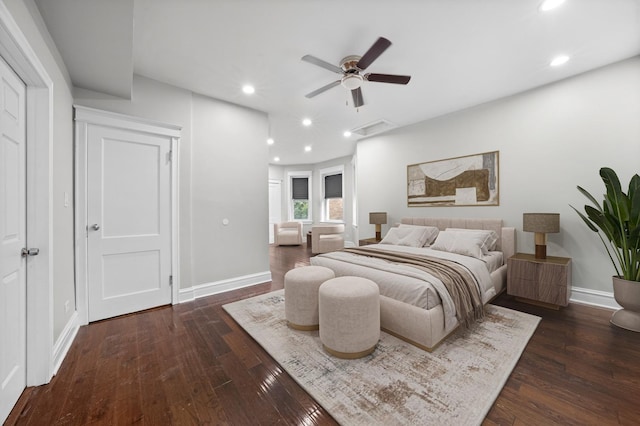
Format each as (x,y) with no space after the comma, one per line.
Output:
(617,223)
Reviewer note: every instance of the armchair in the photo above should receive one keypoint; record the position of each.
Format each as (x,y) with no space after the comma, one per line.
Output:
(326,238)
(287,233)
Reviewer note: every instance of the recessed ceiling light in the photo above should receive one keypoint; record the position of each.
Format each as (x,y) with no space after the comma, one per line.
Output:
(276,159)
(550,4)
(559,60)
(307,148)
(248,89)
(270,141)
(306,122)
(347,134)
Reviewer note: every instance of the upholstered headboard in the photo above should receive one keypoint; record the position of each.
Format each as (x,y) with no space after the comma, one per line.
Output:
(506,243)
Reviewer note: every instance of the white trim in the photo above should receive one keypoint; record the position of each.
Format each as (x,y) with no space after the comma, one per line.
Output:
(586,296)
(209,289)
(84,117)
(63,344)
(123,121)
(175,220)
(17,52)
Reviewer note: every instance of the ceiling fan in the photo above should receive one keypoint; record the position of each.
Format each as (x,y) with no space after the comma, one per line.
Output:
(350,68)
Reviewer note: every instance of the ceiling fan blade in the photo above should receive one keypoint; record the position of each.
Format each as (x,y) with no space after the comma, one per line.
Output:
(323,64)
(374,51)
(388,78)
(323,89)
(358,100)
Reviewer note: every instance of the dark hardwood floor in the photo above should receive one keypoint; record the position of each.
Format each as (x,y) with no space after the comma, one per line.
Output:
(190,364)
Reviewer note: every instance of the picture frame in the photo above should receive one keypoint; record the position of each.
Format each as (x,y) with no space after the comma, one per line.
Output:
(470,180)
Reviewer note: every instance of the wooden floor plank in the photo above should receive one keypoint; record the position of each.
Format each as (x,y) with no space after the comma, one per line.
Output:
(193,364)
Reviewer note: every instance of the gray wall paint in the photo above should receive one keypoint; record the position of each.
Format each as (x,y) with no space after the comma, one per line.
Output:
(216,136)
(168,104)
(240,131)
(550,140)
(229,181)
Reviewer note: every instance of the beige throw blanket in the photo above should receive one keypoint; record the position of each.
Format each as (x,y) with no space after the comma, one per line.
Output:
(458,281)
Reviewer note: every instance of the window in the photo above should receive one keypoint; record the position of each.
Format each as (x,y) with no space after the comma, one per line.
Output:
(333,203)
(300,205)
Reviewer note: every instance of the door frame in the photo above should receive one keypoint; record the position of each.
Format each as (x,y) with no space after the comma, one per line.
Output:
(17,52)
(279,183)
(85,117)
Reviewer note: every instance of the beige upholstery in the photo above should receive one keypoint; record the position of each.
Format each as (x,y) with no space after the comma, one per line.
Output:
(349,310)
(326,238)
(301,295)
(425,327)
(287,233)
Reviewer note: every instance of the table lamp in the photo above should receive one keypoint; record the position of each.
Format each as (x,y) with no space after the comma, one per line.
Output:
(542,224)
(378,218)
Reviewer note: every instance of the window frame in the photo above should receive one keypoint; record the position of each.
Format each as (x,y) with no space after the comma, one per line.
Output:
(290,203)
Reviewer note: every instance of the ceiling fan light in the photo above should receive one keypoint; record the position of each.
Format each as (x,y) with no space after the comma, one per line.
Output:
(351,81)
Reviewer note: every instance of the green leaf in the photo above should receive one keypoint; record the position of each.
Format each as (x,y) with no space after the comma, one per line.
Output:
(586,220)
(617,219)
(589,196)
(614,193)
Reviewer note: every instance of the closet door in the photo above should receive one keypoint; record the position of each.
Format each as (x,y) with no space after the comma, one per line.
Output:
(13,302)
(129,221)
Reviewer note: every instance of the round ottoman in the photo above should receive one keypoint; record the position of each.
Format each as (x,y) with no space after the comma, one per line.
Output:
(301,295)
(349,316)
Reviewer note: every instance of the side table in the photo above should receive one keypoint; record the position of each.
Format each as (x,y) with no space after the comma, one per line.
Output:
(545,282)
(367,241)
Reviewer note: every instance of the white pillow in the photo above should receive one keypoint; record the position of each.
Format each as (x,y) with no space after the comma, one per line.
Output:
(412,237)
(432,231)
(490,238)
(464,243)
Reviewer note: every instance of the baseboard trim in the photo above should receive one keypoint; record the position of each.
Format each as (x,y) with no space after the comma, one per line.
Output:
(586,296)
(209,289)
(66,338)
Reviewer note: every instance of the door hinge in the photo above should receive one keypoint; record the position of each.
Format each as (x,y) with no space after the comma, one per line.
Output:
(169,156)
(170,279)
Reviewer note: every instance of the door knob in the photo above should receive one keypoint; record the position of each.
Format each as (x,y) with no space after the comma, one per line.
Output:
(95,227)
(29,252)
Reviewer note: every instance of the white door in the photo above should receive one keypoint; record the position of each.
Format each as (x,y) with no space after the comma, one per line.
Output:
(12,240)
(275,206)
(129,221)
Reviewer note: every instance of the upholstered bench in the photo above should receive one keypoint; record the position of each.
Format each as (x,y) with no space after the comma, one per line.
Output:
(301,295)
(349,316)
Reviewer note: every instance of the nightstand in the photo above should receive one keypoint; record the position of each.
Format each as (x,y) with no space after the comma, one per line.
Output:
(368,241)
(545,282)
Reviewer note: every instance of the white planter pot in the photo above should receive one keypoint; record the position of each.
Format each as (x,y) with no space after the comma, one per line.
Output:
(627,294)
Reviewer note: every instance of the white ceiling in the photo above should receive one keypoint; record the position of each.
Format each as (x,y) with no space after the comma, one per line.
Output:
(459,53)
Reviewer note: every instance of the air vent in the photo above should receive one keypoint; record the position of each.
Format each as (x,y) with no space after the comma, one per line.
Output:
(374,128)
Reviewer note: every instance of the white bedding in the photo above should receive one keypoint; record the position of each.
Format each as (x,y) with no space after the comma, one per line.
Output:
(411,285)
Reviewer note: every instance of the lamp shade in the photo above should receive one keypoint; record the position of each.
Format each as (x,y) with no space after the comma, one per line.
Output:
(378,218)
(548,223)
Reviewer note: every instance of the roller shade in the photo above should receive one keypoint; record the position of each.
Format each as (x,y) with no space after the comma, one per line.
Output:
(333,186)
(300,188)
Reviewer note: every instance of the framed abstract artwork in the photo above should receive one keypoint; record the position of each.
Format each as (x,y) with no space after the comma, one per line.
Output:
(471,180)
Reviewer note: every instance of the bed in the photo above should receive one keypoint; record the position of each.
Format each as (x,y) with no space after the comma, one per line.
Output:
(414,304)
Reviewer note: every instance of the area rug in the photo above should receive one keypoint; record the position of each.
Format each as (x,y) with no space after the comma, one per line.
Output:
(398,383)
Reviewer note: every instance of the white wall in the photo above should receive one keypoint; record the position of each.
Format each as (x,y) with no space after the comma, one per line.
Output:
(550,140)
(229,181)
